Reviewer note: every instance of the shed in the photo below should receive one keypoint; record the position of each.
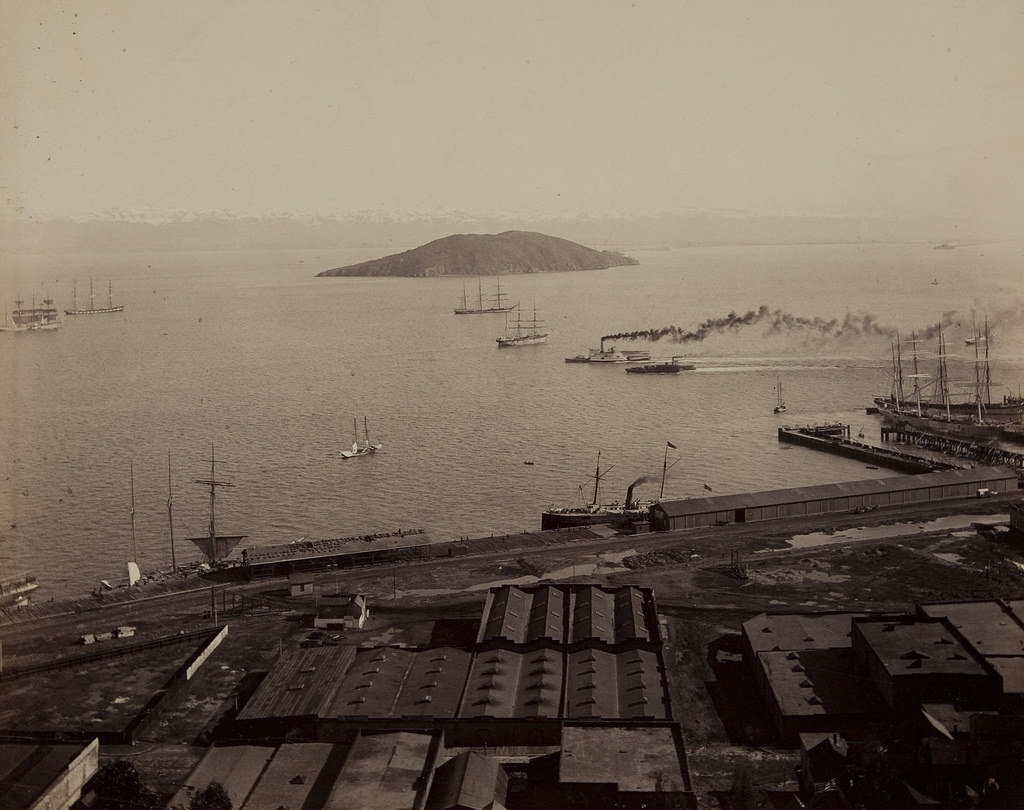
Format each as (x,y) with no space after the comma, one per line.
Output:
(300,584)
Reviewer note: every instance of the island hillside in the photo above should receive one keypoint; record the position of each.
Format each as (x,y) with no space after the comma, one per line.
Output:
(500,254)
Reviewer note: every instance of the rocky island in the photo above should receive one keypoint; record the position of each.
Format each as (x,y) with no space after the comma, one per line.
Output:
(502,254)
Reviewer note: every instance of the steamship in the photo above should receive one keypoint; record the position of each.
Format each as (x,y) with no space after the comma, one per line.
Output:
(590,514)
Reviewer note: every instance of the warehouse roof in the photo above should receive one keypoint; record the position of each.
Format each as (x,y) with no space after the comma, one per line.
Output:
(815,682)
(909,646)
(869,486)
(301,684)
(798,631)
(503,683)
(382,770)
(627,684)
(990,627)
(236,767)
(291,775)
(525,614)
(633,759)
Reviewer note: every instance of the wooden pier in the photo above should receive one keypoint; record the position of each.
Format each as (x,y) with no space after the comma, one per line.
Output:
(835,438)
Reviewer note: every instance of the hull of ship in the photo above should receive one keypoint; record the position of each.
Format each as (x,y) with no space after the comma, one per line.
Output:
(32,327)
(573,518)
(965,430)
(99,311)
(661,368)
(482,311)
(526,340)
(17,594)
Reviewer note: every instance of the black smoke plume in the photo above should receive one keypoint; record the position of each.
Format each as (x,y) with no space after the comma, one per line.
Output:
(777,322)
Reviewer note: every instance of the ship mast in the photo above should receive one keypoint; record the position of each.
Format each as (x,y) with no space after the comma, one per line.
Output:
(131,474)
(170,520)
(942,377)
(213,483)
(598,475)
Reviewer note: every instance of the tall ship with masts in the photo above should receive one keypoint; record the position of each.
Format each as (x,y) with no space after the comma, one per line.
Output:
(93,309)
(496,304)
(931,406)
(521,331)
(31,318)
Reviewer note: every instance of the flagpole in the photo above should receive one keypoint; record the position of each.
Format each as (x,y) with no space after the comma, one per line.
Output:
(664,469)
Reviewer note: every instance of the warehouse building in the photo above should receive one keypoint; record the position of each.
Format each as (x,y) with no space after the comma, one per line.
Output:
(562,683)
(822,499)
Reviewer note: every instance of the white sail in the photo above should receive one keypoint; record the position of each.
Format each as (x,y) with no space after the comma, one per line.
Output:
(134,575)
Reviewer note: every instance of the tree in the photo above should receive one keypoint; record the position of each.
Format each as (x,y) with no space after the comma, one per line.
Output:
(117,785)
(213,797)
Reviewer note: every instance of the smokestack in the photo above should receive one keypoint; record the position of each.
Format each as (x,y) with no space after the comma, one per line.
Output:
(629,494)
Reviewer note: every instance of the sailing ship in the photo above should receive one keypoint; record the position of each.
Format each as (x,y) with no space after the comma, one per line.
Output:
(366,448)
(673,366)
(780,406)
(24,319)
(522,332)
(93,309)
(498,304)
(215,547)
(593,513)
(930,405)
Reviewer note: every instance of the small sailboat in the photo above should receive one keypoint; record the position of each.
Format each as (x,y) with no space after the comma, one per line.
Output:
(366,448)
(780,407)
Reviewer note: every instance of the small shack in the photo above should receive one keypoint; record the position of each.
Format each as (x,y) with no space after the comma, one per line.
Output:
(300,584)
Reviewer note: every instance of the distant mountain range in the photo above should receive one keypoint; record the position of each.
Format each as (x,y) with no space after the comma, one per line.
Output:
(117,231)
(502,254)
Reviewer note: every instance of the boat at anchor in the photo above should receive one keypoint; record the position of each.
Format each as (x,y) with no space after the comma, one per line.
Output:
(31,318)
(93,309)
(466,307)
(522,332)
(367,448)
(780,407)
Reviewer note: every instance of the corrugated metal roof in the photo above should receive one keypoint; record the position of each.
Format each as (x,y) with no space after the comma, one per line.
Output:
(503,683)
(870,486)
(433,684)
(606,684)
(593,614)
(370,687)
(301,684)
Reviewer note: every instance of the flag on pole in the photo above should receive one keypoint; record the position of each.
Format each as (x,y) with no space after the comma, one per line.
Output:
(671,445)
(709,489)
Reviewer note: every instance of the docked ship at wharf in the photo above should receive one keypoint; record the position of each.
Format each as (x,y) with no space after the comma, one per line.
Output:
(932,407)
(629,512)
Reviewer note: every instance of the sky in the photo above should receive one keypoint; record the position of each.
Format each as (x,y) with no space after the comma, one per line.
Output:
(554,108)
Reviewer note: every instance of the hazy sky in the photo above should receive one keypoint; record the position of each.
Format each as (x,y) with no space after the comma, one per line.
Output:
(558,107)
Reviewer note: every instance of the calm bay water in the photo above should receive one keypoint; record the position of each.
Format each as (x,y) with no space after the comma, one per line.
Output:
(248,354)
